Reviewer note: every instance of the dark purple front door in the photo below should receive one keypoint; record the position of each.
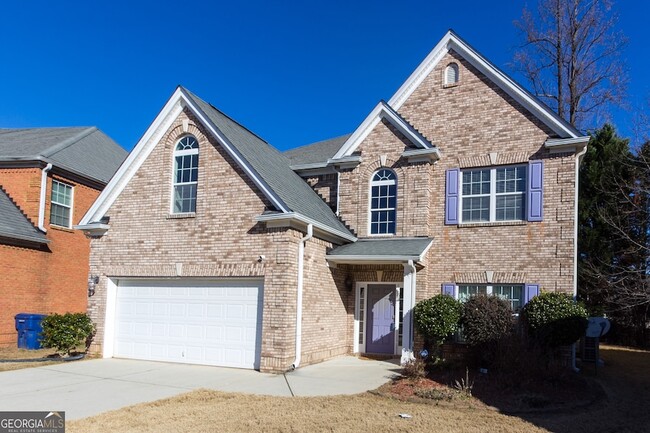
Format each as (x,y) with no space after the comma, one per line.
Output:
(380,333)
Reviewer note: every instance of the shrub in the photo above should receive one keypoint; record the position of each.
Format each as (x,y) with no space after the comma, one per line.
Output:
(65,332)
(485,319)
(437,317)
(554,319)
(414,369)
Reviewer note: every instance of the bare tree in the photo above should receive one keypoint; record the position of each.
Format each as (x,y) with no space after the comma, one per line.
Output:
(571,57)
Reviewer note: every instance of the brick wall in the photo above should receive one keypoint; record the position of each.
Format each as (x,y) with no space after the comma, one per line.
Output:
(468,122)
(222,239)
(52,279)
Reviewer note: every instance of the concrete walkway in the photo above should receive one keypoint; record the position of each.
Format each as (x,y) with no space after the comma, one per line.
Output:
(86,388)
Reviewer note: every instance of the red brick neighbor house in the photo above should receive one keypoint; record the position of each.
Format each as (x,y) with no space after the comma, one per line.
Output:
(212,247)
(49,177)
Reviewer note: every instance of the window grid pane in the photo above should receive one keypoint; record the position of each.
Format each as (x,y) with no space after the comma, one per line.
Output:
(511,293)
(362,306)
(60,204)
(497,194)
(186,175)
(383,202)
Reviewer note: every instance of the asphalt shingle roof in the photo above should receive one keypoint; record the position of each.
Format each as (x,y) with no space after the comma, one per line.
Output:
(14,224)
(83,150)
(316,152)
(383,247)
(272,167)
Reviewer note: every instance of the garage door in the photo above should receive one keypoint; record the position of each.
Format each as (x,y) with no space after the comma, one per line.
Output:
(190,321)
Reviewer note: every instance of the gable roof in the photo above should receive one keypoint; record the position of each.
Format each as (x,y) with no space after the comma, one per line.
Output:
(15,225)
(85,151)
(264,164)
(451,41)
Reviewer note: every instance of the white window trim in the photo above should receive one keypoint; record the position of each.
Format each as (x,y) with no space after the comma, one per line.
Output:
(370,209)
(493,194)
(489,290)
(71,207)
(174,184)
(358,330)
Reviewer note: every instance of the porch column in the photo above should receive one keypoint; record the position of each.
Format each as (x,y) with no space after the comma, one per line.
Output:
(409,303)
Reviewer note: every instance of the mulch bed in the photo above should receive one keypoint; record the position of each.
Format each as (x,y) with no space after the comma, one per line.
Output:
(494,392)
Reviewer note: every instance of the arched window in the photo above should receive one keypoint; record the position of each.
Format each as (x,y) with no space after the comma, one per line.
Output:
(186,175)
(452,74)
(383,202)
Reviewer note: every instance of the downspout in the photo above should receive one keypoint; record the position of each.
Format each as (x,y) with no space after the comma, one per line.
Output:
(579,157)
(338,192)
(41,205)
(301,259)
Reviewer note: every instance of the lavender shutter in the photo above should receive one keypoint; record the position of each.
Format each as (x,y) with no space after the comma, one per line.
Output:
(451,196)
(449,289)
(535,199)
(530,291)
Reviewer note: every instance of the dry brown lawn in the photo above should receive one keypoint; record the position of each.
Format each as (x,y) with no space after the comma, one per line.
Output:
(15,353)
(626,380)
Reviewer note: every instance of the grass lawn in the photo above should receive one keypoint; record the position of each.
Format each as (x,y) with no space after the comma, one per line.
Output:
(626,380)
(15,353)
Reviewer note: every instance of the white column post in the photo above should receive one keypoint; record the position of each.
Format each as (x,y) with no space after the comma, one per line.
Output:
(409,303)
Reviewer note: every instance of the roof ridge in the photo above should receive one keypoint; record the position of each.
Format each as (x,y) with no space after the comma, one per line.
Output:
(226,115)
(69,141)
(19,208)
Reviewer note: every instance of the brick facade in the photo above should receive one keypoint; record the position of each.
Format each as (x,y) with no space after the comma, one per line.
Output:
(52,279)
(474,124)
(221,240)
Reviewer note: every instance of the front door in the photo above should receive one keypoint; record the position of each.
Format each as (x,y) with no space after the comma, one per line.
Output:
(380,332)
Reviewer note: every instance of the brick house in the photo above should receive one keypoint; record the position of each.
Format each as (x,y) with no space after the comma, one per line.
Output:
(49,177)
(211,247)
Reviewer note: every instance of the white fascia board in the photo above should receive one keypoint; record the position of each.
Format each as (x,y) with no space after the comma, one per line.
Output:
(418,155)
(331,166)
(369,259)
(93,229)
(557,145)
(381,111)
(136,158)
(293,216)
(234,153)
(451,41)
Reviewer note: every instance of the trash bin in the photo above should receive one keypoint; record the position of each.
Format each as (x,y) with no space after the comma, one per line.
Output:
(29,330)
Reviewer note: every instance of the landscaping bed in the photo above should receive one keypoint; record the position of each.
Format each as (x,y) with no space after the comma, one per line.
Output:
(13,358)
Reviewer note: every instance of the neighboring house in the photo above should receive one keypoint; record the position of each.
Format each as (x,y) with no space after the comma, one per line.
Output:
(49,177)
(220,250)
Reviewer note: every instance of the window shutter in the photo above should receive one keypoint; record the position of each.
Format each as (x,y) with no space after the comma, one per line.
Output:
(451,196)
(449,289)
(530,291)
(535,199)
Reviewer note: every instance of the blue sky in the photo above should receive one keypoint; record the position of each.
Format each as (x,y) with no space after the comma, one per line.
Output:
(293,72)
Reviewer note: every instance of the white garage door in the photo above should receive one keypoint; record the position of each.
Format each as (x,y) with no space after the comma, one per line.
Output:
(190,321)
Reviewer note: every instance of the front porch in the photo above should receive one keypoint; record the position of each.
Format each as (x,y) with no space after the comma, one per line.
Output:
(383,275)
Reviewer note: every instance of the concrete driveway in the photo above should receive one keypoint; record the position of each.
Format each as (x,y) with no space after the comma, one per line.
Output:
(86,388)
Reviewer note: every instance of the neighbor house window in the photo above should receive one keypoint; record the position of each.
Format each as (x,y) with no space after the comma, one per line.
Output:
(510,292)
(61,204)
(493,194)
(452,74)
(186,174)
(383,202)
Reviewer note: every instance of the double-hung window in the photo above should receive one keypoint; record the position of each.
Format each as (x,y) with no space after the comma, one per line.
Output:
(493,194)
(513,293)
(186,175)
(383,202)
(61,204)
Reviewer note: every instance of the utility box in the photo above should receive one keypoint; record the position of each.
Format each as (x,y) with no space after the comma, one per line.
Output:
(29,330)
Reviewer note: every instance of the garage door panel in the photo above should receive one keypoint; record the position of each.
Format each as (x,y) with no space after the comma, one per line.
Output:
(192,322)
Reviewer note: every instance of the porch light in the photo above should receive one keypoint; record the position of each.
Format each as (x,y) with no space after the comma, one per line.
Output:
(92,282)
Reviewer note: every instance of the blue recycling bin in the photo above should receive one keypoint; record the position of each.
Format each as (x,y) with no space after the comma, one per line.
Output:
(29,330)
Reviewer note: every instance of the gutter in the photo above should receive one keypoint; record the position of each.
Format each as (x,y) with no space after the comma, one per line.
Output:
(301,260)
(288,216)
(41,205)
